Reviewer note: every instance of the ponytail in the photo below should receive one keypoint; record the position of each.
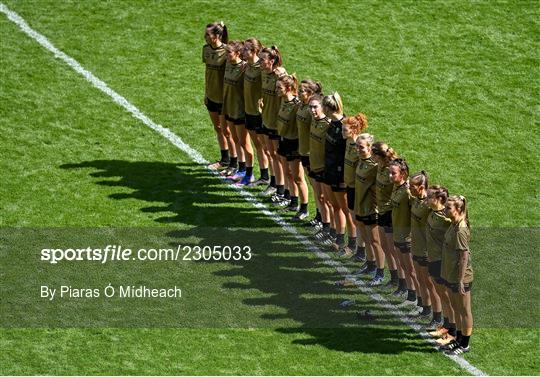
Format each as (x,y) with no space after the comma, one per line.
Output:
(357,124)
(224,33)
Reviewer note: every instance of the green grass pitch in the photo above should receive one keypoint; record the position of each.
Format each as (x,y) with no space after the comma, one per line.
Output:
(453,86)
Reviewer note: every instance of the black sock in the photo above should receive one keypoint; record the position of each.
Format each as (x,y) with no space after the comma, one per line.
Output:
(242,166)
(249,171)
(426,310)
(287,194)
(234,162)
(459,335)
(294,201)
(352,242)
(340,239)
(371,265)
(361,251)
(446,323)
(225,159)
(437,316)
(402,285)
(393,276)
(411,295)
(380,272)
(419,302)
(303,208)
(326,226)
(465,341)
(264,174)
(452,329)
(273,181)
(318,216)
(333,232)
(280,189)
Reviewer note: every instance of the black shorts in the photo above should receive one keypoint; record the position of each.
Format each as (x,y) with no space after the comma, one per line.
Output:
(434,270)
(317,176)
(305,161)
(385,220)
(272,134)
(367,220)
(339,187)
(288,148)
(334,179)
(350,198)
(422,261)
(254,123)
(455,287)
(235,120)
(404,247)
(213,107)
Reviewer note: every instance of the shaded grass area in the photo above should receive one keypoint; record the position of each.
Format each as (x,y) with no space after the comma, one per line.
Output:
(75,159)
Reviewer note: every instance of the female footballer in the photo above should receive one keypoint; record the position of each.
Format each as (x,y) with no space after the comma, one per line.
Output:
(252,94)
(214,56)
(287,87)
(352,128)
(420,211)
(365,208)
(458,273)
(437,225)
(233,108)
(334,162)
(383,155)
(271,70)
(317,139)
(308,88)
(401,224)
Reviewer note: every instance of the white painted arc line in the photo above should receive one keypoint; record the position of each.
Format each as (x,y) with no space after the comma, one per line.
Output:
(197,157)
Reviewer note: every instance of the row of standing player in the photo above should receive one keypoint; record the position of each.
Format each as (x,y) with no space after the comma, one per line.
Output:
(361,187)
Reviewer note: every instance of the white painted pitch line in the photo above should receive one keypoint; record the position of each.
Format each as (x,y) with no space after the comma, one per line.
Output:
(197,157)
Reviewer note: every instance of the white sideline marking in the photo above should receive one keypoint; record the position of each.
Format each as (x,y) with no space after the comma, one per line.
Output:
(197,157)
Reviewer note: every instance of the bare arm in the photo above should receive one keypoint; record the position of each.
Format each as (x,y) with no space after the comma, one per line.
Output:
(462,266)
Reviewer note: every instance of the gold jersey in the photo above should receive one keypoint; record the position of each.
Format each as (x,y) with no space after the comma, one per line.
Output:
(252,88)
(233,90)
(456,242)
(401,213)
(419,215)
(384,190)
(215,59)
(364,194)
(317,142)
(303,123)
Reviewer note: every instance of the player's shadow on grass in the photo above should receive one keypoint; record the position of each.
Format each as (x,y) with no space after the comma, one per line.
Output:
(297,295)
(187,191)
(294,290)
